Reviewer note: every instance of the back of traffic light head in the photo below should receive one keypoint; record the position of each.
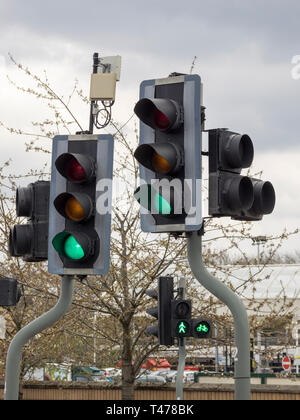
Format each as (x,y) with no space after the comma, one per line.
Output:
(232,194)
(10,292)
(164,296)
(30,241)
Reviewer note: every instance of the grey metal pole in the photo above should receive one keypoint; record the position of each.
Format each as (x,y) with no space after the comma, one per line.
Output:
(181,349)
(13,360)
(222,292)
(95,70)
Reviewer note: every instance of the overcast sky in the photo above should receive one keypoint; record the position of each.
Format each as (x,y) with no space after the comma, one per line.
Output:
(244,55)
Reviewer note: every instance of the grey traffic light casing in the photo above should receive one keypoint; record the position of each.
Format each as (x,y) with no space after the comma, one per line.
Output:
(230,193)
(179,98)
(162,312)
(94,152)
(30,240)
(10,292)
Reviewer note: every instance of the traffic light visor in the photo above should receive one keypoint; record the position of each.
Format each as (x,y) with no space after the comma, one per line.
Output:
(72,245)
(75,167)
(152,201)
(239,192)
(162,157)
(264,197)
(24,201)
(161,114)
(74,206)
(239,150)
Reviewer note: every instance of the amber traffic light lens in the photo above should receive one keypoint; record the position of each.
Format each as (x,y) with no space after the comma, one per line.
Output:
(160,164)
(74,210)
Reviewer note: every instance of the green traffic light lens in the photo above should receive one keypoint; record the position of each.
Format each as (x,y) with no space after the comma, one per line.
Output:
(202,328)
(73,249)
(162,205)
(67,246)
(182,328)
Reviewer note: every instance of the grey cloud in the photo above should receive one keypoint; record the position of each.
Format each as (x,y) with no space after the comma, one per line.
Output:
(157,37)
(164,26)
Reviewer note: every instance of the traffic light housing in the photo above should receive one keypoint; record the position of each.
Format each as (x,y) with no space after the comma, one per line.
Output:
(161,312)
(30,240)
(80,204)
(169,154)
(181,318)
(10,292)
(230,193)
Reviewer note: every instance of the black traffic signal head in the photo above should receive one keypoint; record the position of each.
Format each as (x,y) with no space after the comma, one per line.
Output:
(162,311)
(181,318)
(230,193)
(201,328)
(152,329)
(80,204)
(169,152)
(10,292)
(30,240)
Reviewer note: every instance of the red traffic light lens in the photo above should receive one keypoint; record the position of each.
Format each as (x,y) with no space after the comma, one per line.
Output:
(161,120)
(75,172)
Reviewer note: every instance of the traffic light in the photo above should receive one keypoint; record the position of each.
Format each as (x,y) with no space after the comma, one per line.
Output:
(164,296)
(201,328)
(181,318)
(230,193)
(169,154)
(30,240)
(10,292)
(80,204)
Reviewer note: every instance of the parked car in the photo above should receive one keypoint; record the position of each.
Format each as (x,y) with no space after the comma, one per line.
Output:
(86,374)
(171,376)
(151,379)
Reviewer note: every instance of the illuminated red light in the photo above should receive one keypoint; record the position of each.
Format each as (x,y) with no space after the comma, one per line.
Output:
(161,121)
(75,172)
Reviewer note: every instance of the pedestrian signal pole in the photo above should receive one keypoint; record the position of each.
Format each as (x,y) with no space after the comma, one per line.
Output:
(14,354)
(239,313)
(181,348)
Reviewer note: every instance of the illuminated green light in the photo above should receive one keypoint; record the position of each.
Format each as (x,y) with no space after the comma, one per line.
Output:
(162,205)
(202,328)
(73,249)
(182,328)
